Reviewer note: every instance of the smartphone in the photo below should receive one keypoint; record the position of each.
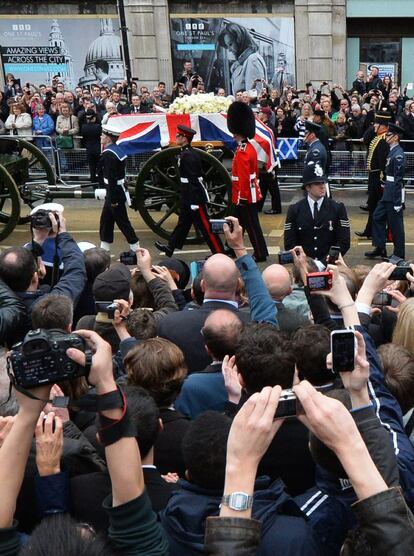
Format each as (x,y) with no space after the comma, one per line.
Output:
(217,225)
(289,406)
(196,267)
(107,307)
(343,348)
(128,258)
(399,273)
(285,257)
(382,299)
(333,254)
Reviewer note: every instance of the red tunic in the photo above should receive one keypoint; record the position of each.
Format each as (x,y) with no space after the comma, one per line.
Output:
(245,175)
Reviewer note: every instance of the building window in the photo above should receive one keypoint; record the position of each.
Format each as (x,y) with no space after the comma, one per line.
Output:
(375,50)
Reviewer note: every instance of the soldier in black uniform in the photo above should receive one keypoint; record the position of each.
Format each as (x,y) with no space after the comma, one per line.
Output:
(317,222)
(390,207)
(376,159)
(194,197)
(111,171)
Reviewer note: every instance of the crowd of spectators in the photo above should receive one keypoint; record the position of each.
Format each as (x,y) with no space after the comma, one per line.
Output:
(345,114)
(178,407)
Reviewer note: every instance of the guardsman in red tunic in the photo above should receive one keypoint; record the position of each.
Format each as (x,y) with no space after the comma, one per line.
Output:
(245,176)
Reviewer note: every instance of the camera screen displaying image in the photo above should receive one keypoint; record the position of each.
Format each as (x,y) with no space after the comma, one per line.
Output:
(319,280)
(343,351)
(285,257)
(107,307)
(333,254)
(128,258)
(382,299)
(217,225)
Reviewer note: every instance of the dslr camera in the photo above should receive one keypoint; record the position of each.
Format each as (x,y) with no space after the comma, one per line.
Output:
(40,220)
(41,358)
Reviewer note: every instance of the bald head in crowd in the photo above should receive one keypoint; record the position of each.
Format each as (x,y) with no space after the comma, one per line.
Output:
(221,333)
(278,281)
(220,278)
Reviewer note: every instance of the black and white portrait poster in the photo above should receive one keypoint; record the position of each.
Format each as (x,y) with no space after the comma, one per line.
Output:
(81,50)
(234,52)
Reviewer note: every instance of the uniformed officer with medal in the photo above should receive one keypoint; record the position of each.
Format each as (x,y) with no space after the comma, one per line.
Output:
(317,222)
(111,172)
(389,210)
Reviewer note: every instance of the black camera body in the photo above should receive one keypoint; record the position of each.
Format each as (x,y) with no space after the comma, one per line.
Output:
(41,358)
(40,220)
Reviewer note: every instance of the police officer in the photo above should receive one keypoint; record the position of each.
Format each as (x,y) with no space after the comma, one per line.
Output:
(316,150)
(317,222)
(194,198)
(376,159)
(390,207)
(245,183)
(111,171)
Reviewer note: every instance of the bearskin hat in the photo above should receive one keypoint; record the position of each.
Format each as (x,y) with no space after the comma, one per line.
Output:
(240,120)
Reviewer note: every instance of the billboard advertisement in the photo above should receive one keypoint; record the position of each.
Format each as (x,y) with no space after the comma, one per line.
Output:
(233,52)
(82,50)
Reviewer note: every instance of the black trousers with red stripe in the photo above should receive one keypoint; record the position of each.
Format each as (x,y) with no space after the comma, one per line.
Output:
(199,218)
(249,220)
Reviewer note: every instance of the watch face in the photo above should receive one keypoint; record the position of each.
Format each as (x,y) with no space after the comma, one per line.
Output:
(239,501)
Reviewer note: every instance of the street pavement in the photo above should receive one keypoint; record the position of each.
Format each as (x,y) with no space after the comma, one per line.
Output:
(83,215)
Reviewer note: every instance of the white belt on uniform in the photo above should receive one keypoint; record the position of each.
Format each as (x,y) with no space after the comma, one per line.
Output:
(124,189)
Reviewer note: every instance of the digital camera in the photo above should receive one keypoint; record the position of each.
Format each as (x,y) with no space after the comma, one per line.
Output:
(319,280)
(128,257)
(40,220)
(41,358)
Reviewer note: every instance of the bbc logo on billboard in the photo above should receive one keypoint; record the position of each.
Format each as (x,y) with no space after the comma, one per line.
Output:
(21,27)
(194,26)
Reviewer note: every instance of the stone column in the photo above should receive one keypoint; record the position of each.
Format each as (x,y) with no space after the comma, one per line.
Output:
(320,34)
(149,41)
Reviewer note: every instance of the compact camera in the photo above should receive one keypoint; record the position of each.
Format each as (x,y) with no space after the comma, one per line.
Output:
(217,225)
(107,307)
(128,257)
(41,358)
(289,406)
(319,281)
(40,220)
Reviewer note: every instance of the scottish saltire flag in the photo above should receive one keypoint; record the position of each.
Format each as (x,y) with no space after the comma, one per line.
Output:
(288,148)
(150,132)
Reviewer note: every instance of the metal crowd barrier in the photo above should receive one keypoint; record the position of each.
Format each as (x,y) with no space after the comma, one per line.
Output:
(47,146)
(348,168)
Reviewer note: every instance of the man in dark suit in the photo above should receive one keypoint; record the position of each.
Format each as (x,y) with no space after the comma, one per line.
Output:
(317,222)
(220,284)
(206,390)
(279,285)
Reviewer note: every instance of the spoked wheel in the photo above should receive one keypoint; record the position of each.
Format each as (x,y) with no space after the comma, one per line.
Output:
(9,204)
(30,168)
(157,191)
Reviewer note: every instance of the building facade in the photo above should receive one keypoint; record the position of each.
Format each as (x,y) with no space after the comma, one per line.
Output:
(228,41)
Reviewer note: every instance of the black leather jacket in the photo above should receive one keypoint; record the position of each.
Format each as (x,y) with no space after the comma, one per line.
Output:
(12,315)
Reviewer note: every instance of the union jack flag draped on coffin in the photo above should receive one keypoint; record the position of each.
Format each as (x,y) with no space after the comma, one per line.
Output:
(149,132)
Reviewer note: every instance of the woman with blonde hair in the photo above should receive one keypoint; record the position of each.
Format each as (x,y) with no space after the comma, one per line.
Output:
(19,122)
(403,334)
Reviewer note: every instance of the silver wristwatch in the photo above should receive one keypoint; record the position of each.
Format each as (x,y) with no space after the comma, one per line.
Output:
(238,501)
